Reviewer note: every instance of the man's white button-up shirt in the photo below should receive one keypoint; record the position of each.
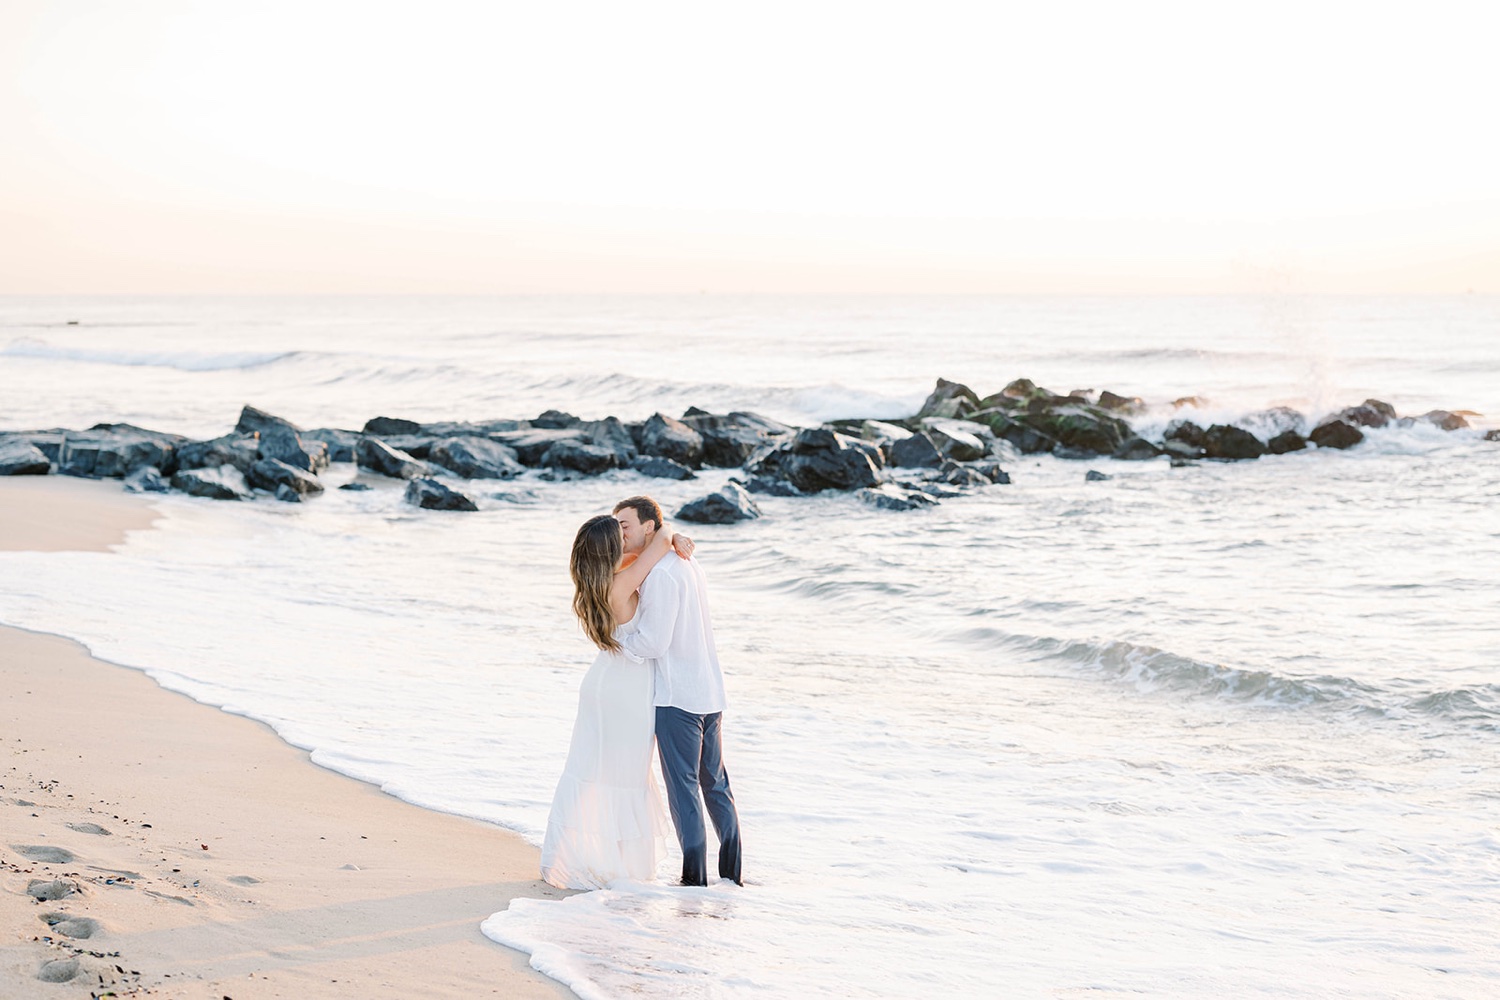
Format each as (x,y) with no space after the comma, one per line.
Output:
(674,630)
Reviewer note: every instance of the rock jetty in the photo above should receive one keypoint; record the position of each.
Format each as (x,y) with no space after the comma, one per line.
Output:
(954,444)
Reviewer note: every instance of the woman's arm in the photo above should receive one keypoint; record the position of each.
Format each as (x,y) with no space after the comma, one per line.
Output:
(628,579)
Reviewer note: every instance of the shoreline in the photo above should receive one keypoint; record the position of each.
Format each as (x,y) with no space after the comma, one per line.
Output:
(199,854)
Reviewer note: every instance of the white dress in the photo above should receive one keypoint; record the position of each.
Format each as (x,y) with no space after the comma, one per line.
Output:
(607,820)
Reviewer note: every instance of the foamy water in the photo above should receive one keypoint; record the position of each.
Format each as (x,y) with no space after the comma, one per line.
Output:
(1222,730)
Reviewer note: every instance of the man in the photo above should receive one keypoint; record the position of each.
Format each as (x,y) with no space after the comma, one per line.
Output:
(674,631)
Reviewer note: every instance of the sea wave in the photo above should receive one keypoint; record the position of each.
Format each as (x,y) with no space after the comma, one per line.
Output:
(189,361)
(1163,354)
(1150,669)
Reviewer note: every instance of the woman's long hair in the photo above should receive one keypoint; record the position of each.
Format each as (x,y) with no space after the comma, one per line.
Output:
(597,551)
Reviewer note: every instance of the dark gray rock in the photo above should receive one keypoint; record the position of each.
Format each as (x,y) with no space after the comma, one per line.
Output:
(993,472)
(48,442)
(355,487)
(340,445)
(284,445)
(889,496)
(959,440)
(1136,449)
(286,494)
(1120,404)
(238,450)
(223,483)
(730,439)
(384,427)
(1062,451)
(962,475)
(147,480)
(271,475)
(1286,441)
(1071,420)
(531,443)
(582,456)
(1075,425)
(662,468)
(1095,476)
(880,431)
(915,452)
(724,506)
(115,450)
(430,494)
(1370,413)
(1007,427)
(1020,395)
(820,459)
(1229,442)
(1188,433)
(253,421)
(667,437)
(611,433)
(22,458)
(1336,434)
(1492,435)
(1445,419)
(471,428)
(418,446)
(949,399)
(377,456)
(771,486)
(555,420)
(936,489)
(476,458)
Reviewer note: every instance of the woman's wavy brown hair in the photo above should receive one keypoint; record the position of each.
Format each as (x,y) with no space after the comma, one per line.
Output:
(597,551)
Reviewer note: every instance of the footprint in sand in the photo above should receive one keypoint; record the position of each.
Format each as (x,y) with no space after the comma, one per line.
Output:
(70,926)
(45,854)
(58,970)
(93,828)
(40,889)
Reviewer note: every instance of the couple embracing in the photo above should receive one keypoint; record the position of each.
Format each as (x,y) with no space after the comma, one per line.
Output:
(642,599)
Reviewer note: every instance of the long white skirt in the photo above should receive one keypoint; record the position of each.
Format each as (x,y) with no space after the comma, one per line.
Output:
(607,819)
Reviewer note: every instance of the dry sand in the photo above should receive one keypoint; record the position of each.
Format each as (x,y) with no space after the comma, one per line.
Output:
(198,856)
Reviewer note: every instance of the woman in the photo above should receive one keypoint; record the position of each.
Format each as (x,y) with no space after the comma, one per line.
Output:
(607,820)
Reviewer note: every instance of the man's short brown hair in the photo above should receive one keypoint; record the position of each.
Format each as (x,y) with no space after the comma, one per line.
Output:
(645,509)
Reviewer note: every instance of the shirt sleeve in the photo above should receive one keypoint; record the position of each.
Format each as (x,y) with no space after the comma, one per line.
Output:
(660,603)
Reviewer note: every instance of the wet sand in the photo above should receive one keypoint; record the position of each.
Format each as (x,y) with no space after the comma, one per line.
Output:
(192,853)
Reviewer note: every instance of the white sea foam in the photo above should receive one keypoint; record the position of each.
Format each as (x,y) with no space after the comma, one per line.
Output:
(1221,730)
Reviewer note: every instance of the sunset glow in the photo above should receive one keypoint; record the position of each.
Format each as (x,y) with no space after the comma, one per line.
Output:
(472,147)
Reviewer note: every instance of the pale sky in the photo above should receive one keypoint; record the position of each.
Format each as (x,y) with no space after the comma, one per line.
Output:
(178,146)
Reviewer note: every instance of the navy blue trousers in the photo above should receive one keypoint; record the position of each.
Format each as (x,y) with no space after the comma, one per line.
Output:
(692,758)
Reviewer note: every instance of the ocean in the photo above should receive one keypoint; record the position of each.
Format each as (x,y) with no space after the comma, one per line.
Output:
(1230,729)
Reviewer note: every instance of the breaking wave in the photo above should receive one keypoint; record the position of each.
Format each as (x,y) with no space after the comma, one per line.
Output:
(188,361)
(1152,670)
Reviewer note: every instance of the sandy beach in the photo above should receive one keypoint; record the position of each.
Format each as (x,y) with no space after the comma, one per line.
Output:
(154,846)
